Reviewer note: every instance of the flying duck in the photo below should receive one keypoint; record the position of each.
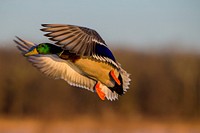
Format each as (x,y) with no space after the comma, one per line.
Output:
(80,57)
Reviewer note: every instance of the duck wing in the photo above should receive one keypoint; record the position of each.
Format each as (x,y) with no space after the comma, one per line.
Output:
(55,67)
(77,39)
(80,40)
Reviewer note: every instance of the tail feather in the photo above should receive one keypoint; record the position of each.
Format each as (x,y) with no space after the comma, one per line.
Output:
(125,79)
(125,82)
(112,93)
(118,88)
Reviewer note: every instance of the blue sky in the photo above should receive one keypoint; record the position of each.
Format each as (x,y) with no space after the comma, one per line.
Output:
(138,24)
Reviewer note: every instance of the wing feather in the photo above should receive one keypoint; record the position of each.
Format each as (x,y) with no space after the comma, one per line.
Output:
(71,36)
(55,67)
(80,40)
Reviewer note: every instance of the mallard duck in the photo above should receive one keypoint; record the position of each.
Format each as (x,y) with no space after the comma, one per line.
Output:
(79,56)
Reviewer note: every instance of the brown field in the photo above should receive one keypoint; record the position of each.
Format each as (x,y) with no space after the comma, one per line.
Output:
(164,97)
(93,125)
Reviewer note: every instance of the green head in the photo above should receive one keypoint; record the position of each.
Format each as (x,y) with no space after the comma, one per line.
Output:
(44,48)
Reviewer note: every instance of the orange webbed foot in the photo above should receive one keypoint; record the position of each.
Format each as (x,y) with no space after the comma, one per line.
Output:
(114,77)
(99,92)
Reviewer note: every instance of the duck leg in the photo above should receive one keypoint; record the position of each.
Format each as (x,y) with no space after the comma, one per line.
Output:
(100,93)
(112,74)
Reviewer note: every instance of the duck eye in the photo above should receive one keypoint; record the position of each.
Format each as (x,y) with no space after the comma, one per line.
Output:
(41,45)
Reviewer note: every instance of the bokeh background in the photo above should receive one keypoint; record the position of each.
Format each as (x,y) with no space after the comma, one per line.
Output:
(157,42)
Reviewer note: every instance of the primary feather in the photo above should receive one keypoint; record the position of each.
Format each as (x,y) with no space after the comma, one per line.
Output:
(80,40)
(54,67)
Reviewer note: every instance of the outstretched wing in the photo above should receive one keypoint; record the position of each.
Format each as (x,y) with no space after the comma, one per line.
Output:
(55,67)
(80,40)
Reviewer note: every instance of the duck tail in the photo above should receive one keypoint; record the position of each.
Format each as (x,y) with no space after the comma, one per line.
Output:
(112,93)
(125,79)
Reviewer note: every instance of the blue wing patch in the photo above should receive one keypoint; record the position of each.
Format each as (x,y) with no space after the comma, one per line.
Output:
(103,51)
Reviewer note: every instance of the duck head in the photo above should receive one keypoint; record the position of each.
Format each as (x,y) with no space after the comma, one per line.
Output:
(44,48)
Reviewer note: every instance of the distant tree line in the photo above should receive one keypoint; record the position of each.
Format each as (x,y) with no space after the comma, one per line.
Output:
(163,84)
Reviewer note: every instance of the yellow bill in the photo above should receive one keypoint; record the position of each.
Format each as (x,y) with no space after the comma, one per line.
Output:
(32,52)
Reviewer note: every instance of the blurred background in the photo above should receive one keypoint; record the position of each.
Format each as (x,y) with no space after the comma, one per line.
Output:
(157,42)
